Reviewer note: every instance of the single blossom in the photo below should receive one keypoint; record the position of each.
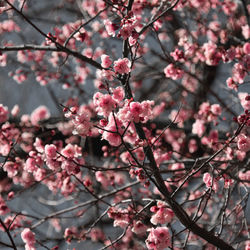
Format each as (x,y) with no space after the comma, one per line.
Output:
(39,114)
(28,237)
(3,113)
(172,72)
(158,238)
(106,61)
(122,66)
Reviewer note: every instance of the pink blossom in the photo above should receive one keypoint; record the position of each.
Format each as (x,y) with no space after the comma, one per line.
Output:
(126,31)
(178,55)
(97,234)
(106,61)
(71,167)
(104,103)
(39,114)
(128,26)
(216,109)
(30,165)
(69,233)
(210,182)
(246,48)
(28,237)
(108,74)
(118,94)
(113,138)
(244,100)
(38,144)
(102,178)
(139,228)
(162,215)
(15,110)
(192,146)
(198,127)
(246,31)
(243,143)
(3,60)
(158,238)
(212,56)
(247,245)
(11,168)
(122,66)
(228,55)
(50,151)
(239,72)
(132,40)
(82,123)
(39,174)
(120,216)
(231,84)
(172,72)
(3,113)
(110,27)
(68,151)
(136,110)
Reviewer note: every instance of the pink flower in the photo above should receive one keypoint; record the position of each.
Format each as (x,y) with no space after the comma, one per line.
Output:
(3,113)
(108,74)
(39,114)
(163,214)
(3,60)
(82,123)
(212,56)
(71,167)
(231,84)
(246,48)
(110,27)
(104,103)
(122,66)
(114,139)
(172,72)
(216,109)
(247,245)
(50,151)
(246,31)
(198,127)
(136,110)
(70,151)
(178,55)
(210,182)
(30,165)
(118,94)
(158,238)
(139,228)
(28,237)
(106,61)
(244,100)
(15,110)
(239,72)
(243,143)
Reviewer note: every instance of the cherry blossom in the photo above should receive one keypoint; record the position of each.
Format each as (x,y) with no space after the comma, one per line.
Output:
(158,238)
(144,125)
(122,66)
